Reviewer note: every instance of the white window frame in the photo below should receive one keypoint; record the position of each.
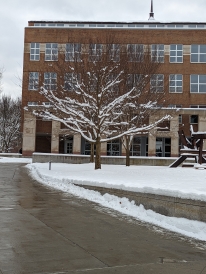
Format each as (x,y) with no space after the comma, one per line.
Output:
(198,85)
(157,83)
(50,80)
(34,51)
(51,52)
(33,80)
(95,52)
(157,53)
(198,51)
(73,52)
(135,52)
(176,53)
(175,83)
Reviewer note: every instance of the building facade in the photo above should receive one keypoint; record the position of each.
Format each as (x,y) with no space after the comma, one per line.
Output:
(181,47)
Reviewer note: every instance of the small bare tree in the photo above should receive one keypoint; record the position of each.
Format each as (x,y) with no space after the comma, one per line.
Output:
(94,97)
(10,120)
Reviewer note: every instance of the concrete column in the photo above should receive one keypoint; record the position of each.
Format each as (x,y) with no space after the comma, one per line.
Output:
(29,134)
(104,149)
(123,150)
(77,144)
(174,127)
(151,144)
(55,137)
(202,126)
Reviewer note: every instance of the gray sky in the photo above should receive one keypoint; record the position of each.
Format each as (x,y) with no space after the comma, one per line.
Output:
(14,15)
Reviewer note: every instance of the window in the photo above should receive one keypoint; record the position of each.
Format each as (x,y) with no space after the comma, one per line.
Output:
(193,119)
(51,53)
(95,52)
(135,52)
(157,83)
(198,54)
(114,147)
(112,79)
(50,80)
(34,51)
(157,52)
(33,80)
(32,104)
(47,104)
(73,52)
(71,80)
(135,149)
(175,83)
(114,52)
(134,80)
(198,106)
(198,83)
(176,54)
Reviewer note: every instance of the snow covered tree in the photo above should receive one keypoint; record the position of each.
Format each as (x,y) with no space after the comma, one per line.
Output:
(94,93)
(10,118)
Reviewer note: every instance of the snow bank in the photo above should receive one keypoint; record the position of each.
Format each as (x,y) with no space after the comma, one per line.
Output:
(156,179)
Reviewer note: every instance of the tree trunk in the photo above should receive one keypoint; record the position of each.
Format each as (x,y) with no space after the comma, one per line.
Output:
(98,154)
(127,152)
(92,153)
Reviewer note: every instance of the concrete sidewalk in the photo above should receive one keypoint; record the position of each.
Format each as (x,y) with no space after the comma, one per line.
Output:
(45,231)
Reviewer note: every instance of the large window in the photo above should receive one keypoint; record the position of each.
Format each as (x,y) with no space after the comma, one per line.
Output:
(175,83)
(157,83)
(114,147)
(135,52)
(50,80)
(95,52)
(34,51)
(198,83)
(176,54)
(73,52)
(114,52)
(70,81)
(51,53)
(134,80)
(33,80)
(157,52)
(198,54)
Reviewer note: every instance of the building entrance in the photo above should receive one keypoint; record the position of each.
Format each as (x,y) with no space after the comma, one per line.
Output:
(68,145)
(163,147)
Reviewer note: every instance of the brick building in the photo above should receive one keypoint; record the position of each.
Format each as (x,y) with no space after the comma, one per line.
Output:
(182,48)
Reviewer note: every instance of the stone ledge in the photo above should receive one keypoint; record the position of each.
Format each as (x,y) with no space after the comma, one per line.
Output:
(165,205)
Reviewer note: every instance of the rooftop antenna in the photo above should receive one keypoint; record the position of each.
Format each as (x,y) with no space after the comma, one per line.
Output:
(151,14)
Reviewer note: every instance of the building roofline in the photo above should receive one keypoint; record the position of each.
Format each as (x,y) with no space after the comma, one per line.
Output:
(117,22)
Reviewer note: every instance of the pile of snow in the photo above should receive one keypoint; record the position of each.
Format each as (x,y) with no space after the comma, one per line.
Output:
(178,182)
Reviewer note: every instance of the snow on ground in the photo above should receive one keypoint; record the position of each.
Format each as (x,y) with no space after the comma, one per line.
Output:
(178,182)
(15,160)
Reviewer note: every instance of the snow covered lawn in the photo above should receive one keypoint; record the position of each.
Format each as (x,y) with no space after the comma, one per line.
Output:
(179,182)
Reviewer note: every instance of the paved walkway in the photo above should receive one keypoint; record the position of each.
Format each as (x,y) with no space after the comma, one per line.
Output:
(45,231)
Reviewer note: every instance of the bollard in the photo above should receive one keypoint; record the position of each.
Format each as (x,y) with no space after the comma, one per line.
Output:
(49,165)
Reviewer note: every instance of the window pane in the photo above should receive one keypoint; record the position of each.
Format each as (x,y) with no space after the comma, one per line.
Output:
(194,78)
(173,47)
(194,48)
(194,88)
(202,88)
(202,48)
(194,58)
(202,79)
(203,58)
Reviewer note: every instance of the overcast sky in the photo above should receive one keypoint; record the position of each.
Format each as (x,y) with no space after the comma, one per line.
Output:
(14,15)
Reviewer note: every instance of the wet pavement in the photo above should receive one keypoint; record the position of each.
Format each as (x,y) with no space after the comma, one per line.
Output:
(45,231)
